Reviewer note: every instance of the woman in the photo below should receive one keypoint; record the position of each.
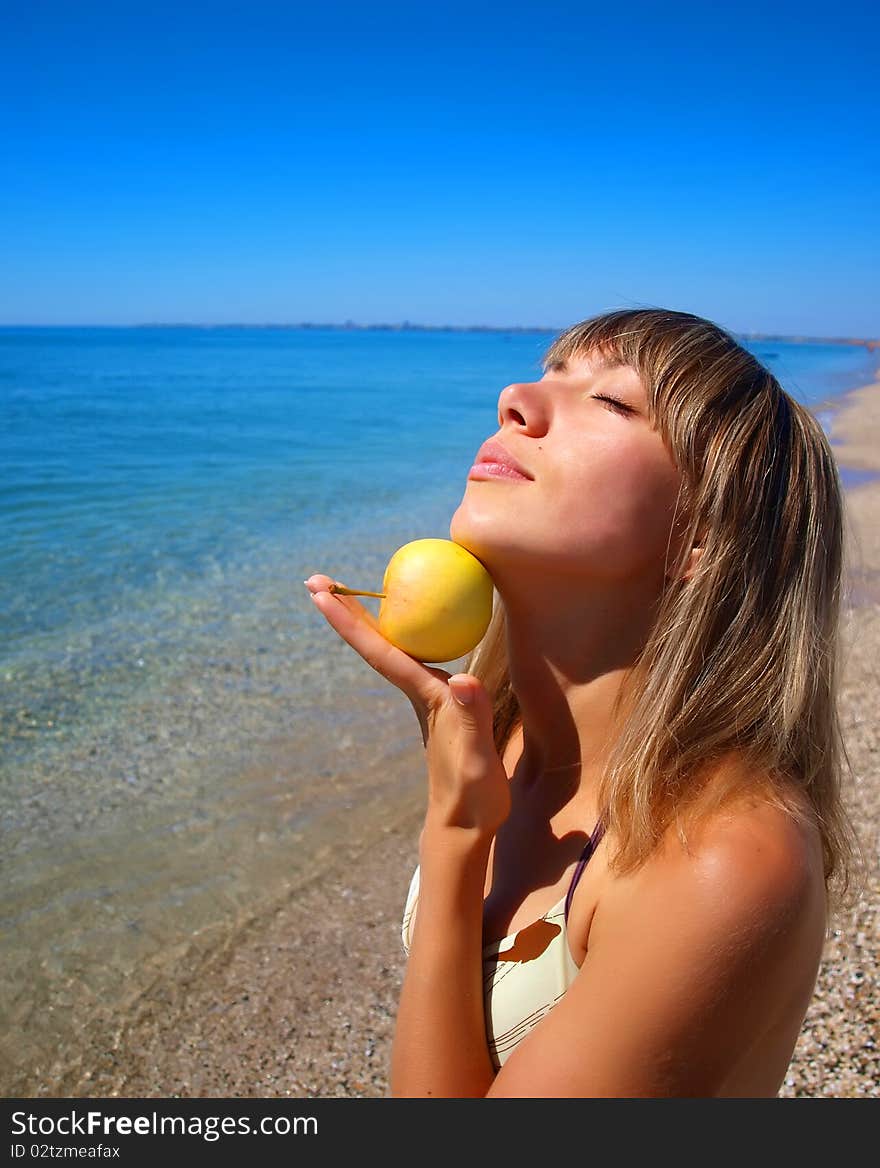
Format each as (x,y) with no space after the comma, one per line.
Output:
(634,831)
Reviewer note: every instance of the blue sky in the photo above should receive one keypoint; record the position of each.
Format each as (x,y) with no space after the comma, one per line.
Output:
(499,164)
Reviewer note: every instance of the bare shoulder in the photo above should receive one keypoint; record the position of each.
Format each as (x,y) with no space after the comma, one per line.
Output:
(754,849)
(750,867)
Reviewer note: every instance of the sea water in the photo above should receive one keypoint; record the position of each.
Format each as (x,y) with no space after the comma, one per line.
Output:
(183,736)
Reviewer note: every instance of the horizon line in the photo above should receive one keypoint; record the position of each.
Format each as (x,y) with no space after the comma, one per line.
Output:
(413,326)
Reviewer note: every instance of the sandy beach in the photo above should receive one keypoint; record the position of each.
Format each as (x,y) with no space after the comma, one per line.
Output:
(301,1002)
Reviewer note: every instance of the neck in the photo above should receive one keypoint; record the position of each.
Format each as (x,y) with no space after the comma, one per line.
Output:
(569,659)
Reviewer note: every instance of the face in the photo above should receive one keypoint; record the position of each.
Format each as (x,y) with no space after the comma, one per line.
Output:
(601,495)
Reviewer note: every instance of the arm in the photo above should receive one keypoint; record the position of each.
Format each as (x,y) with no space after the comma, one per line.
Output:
(686,960)
(440,1046)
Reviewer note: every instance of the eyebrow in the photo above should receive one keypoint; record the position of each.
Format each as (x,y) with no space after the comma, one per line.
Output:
(602,364)
(600,361)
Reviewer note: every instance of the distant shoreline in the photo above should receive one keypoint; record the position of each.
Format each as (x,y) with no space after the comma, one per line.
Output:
(410,326)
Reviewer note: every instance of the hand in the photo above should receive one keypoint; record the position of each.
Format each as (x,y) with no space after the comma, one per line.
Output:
(467,784)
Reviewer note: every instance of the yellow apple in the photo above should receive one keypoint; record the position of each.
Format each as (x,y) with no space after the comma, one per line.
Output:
(436,600)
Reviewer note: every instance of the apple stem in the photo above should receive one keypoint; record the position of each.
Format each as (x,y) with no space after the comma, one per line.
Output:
(340,590)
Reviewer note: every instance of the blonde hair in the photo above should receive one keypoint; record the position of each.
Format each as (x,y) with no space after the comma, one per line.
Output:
(743,659)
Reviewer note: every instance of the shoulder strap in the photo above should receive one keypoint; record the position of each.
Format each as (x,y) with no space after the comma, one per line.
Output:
(590,846)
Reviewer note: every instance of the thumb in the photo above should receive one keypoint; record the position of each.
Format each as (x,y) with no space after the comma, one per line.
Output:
(474,702)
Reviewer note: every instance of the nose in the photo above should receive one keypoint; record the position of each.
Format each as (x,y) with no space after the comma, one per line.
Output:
(523,404)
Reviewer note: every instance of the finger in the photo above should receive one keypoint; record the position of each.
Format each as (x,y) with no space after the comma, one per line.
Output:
(417,681)
(475,711)
(321,583)
(318,582)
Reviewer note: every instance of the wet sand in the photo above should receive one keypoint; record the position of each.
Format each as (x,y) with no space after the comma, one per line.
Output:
(301,1000)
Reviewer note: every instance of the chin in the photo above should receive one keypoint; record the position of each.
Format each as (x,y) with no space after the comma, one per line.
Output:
(476,532)
(461,527)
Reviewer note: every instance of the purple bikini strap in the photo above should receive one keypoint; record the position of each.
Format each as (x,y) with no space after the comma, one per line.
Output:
(590,846)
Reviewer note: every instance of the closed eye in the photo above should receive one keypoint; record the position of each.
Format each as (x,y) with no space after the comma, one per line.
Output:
(613,401)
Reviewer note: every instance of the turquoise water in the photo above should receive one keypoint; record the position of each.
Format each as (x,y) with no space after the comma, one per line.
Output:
(177,728)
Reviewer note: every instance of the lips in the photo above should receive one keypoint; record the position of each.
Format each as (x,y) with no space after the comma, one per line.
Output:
(493,452)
